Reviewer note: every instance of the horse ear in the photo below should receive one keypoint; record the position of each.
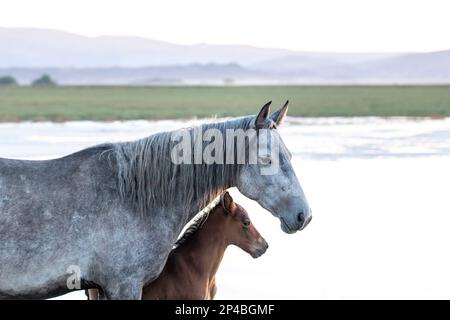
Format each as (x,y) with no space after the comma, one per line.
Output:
(263,115)
(226,201)
(278,116)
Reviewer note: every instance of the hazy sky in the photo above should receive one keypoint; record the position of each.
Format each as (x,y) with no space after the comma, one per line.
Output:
(318,25)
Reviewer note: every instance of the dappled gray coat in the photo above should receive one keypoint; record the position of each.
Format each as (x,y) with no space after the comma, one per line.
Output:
(107,217)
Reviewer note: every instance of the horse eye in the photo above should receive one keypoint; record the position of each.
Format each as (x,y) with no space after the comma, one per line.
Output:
(246,223)
(265,160)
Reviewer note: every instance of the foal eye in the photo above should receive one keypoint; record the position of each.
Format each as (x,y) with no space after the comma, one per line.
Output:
(265,160)
(246,223)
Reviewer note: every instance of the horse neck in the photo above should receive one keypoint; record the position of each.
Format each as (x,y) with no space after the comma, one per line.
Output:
(199,204)
(206,248)
(217,176)
(147,178)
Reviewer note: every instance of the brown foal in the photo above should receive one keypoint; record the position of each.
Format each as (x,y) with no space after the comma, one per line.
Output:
(190,270)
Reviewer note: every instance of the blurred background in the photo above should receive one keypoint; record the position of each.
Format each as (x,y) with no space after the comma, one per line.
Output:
(368,125)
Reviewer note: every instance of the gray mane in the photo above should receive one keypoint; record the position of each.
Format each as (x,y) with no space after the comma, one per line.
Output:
(147,177)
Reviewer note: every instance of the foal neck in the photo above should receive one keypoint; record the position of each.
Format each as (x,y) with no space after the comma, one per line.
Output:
(205,249)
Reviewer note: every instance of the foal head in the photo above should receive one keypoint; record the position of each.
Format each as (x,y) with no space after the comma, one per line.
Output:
(238,228)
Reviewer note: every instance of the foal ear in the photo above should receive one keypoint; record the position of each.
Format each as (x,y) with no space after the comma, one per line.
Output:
(263,115)
(278,116)
(226,201)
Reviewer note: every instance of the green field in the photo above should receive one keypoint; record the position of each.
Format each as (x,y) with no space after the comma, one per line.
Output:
(111,103)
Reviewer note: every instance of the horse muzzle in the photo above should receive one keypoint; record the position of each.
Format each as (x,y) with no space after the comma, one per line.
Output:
(300,222)
(260,248)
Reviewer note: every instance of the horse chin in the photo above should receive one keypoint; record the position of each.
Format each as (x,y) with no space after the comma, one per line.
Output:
(257,253)
(285,227)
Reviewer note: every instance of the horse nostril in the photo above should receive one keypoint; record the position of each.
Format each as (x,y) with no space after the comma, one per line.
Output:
(301,218)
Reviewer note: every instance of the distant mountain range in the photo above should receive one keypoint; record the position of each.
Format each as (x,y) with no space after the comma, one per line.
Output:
(73,59)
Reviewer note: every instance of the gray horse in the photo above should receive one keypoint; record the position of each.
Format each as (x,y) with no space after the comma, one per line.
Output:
(107,217)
